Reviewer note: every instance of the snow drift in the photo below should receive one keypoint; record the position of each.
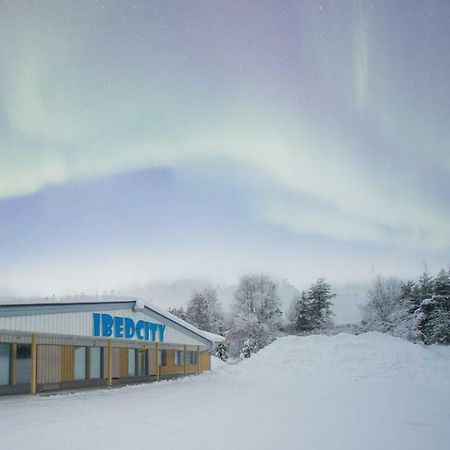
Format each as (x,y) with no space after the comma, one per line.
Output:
(370,391)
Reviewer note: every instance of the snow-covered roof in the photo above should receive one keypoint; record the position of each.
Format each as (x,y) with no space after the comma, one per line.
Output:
(207,335)
(135,302)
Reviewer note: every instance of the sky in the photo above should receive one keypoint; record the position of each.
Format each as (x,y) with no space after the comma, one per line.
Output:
(164,140)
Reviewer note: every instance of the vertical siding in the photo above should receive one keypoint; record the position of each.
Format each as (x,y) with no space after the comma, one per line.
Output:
(205,361)
(48,364)
(67,362)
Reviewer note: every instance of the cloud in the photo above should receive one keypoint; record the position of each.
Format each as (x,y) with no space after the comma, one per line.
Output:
(307,171)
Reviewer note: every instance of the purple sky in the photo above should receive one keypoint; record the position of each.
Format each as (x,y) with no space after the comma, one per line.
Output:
(156,140)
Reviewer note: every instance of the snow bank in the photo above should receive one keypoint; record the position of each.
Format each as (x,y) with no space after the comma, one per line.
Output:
(341,392)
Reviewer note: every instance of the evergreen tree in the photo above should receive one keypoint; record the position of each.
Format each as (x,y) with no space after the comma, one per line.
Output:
(311,310)
(301,314)
(319,296)
(247,349)
(221,351)
(435,323)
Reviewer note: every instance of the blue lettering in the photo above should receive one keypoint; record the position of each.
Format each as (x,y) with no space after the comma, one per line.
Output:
(96,317)
(153,328)
(118,326)
(147,330)
(129,328)
(139,326)
(107,324)
(161,332)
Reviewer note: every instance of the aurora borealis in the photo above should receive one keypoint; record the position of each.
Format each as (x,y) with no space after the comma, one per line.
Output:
(161,139)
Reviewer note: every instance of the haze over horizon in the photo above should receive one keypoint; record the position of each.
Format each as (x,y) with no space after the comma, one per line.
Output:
(145,141)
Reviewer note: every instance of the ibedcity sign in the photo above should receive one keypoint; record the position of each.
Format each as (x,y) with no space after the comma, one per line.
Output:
(106,325)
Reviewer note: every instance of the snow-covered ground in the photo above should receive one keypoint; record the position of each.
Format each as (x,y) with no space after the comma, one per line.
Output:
(371,392)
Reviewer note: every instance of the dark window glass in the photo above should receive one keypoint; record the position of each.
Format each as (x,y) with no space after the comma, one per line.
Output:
(23,363)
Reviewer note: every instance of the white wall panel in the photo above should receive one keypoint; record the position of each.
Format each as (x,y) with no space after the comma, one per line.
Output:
(81,324)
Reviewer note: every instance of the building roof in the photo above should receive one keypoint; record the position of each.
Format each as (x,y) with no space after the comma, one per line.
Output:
(84,302)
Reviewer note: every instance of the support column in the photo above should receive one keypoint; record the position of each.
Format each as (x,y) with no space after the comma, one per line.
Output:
(198,359)
(110,362)
(14,365)
(185,360)
(33,364)
(157,360)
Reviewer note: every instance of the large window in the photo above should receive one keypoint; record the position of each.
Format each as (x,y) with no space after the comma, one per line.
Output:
(23,363)
(163,358)
(179,357)
(95,363)
(80,363)
(5,363)
(131,362)
(192,358)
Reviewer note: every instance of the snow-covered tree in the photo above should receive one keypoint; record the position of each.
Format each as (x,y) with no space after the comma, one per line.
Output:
(435,311)
(179,312)
(311,310)
(388,310)
(205,311)
(221,351)
(256,315)
(247,349)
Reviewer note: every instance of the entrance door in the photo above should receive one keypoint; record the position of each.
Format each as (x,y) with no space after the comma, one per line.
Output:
(142,362)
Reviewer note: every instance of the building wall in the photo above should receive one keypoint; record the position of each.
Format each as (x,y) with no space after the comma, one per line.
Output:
(48,364)
(81,324)
(56,367)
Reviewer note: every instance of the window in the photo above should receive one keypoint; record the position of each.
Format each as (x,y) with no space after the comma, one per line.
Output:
(5,363)
(179,357)
(142,362)
(192,358)
(131,362)
(23,363)
(95,363)
(163,358)
(80,363)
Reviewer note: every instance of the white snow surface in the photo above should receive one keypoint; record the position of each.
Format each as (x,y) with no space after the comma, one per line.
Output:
(371,392)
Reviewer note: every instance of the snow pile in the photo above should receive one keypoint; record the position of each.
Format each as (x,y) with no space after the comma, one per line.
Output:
(342,392)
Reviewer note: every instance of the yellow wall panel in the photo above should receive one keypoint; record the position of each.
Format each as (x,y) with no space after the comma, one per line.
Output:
(67,362)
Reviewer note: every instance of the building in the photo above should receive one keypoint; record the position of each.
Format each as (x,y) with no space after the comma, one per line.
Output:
(68,346)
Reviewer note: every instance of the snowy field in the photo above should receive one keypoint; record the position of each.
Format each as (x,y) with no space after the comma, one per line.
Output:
(367,392)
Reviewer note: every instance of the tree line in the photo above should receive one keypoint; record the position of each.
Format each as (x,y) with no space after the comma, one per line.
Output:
(415,310)
(256,318)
